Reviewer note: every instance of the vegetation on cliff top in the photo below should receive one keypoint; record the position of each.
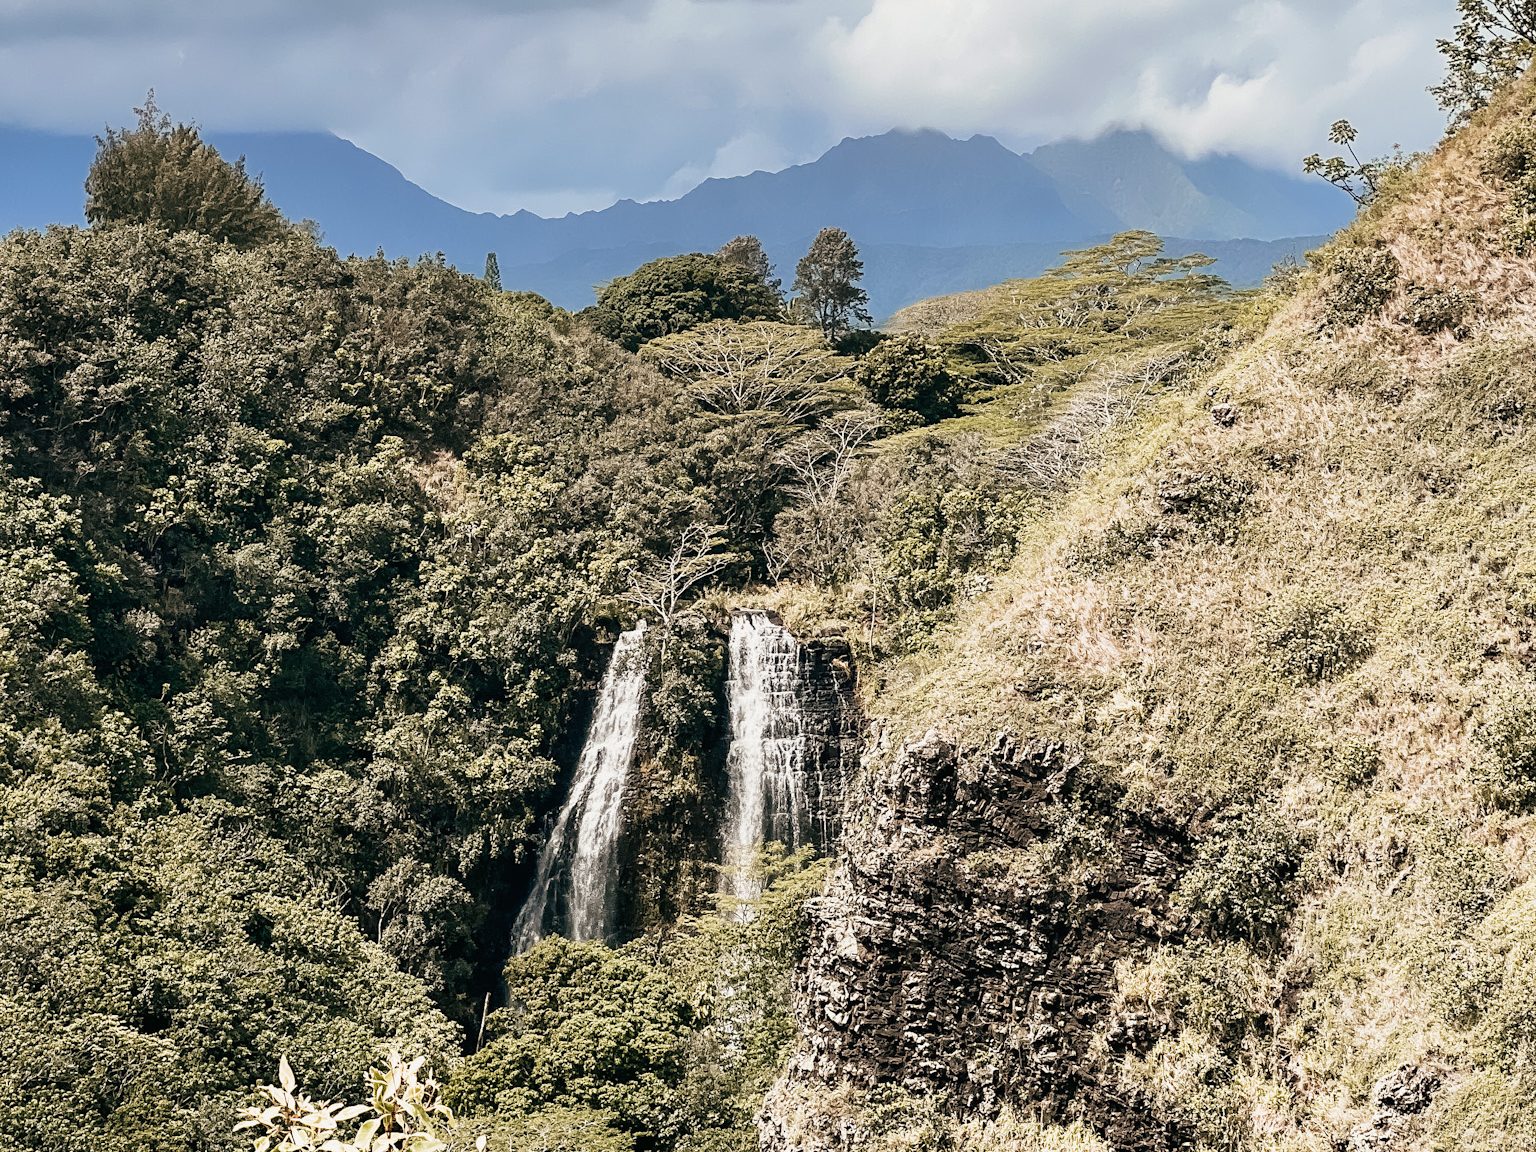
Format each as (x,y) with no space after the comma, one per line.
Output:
(309,563)
(1291,609)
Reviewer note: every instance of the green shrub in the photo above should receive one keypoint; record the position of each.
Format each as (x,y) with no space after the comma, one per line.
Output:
(1507,938)
(549,1129)
(1311,638)
(1435,310)
(1507,737)
(909,374)
(1510,153)
(1210,502)
(676,293)
(1496,380)
(1120,541)
(1458,883)
(1219,990)
(1242,883)
(1510,157)
(1357,283)
(587,1027)
(165,175)
(1351,763)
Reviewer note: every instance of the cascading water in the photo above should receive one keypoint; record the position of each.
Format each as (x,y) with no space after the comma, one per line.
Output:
(582,849)
(766,763)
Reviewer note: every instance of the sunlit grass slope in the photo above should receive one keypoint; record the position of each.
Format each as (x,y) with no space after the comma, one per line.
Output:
(1292,607)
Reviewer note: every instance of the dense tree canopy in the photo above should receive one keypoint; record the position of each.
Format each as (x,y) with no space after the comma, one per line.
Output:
(165,174)
(910,374)
(306,565)
(680,292)
(308,568)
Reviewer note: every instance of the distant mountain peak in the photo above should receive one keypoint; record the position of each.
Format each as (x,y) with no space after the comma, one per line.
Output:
(930,212)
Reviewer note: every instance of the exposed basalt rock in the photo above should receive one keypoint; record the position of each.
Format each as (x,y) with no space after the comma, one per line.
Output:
(834,732)
(965,949)
(1400,1097)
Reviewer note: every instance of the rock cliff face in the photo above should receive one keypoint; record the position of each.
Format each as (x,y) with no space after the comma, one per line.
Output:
(834,732)
(965,949)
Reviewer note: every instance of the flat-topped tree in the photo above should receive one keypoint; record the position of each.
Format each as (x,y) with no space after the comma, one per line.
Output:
(166,175)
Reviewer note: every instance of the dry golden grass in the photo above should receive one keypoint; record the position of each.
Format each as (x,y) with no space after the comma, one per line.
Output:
(1376,483)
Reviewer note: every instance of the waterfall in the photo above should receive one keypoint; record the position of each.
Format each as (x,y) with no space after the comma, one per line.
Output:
(592,811)
(766,762)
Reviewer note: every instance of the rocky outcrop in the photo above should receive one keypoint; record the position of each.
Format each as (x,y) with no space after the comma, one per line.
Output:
(833,729)
(965,949)
(1399,1098)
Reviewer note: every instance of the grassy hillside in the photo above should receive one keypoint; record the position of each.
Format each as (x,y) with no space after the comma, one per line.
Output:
(1291,608)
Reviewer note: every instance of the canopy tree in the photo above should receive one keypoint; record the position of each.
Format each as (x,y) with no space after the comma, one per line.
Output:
(827,284)
(757,366)
(746,252)
(1492,45)
(676,293)
(166,175)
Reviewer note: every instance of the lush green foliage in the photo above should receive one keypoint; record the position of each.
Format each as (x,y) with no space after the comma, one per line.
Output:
(308,565)
(307,562)
(909,374)
(826,285)
(164,174)
(1510,157)
(405,1113)
(667,1043)
(680,292)
(1492,45)
(746,252)
(1099,304)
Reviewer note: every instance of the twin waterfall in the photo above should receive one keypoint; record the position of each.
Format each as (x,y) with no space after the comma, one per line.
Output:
(587,863)
(766,762)
(575,891)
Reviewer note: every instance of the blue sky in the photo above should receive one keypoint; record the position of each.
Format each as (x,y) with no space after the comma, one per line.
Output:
(556,106)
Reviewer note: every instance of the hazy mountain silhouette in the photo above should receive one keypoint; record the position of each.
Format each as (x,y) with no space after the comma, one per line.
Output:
(931,214)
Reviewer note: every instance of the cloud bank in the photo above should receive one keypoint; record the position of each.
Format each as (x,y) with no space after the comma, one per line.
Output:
(557,105)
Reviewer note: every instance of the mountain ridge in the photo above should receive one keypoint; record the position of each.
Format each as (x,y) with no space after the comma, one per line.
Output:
(917,190)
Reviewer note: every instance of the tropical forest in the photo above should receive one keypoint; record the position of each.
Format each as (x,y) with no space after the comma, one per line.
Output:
(1090,713)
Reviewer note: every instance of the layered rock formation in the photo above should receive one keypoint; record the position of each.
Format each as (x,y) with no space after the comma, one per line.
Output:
(833,729)
(965,950)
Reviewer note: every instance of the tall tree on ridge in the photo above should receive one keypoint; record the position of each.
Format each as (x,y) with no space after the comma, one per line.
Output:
(827,284)
(746,253)
(492,275)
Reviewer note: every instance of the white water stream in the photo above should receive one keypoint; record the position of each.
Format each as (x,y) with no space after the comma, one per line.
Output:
(582,849)
(766,760)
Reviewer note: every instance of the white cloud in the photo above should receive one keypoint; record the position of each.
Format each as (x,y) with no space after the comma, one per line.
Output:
(740,156)
(501,103)
(1262,78)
